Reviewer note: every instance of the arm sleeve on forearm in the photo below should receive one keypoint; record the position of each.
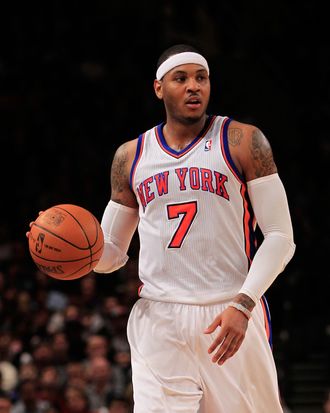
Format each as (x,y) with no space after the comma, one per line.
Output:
(270,205)
(118,223)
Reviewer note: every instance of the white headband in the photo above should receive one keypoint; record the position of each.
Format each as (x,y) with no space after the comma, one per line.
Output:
(181,59)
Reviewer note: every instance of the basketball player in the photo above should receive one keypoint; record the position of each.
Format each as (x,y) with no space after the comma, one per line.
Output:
(196,186)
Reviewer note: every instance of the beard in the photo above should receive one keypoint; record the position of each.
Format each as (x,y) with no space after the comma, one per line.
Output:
(188,119)
(183,115)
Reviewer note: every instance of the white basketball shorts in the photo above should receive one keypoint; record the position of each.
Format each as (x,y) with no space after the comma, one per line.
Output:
(173,372)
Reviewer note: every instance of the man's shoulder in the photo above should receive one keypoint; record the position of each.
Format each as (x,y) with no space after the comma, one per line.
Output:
(244,126)
(127,147)
(130,146)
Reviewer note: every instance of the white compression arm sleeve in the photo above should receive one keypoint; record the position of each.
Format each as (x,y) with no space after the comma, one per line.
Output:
(269,202)
(118,223)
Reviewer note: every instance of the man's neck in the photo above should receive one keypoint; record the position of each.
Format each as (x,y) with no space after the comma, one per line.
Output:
(179,135)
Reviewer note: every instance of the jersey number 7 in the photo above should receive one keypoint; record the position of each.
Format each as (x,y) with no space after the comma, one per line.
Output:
(188,210)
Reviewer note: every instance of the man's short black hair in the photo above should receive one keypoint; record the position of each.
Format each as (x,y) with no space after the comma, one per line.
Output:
(177,48)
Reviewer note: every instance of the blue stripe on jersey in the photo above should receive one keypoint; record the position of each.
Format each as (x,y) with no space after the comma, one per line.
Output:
(227,151)
(270,333)
(137,155)
(186,149)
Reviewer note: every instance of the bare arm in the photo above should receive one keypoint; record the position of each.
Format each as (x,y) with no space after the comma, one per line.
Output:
(120,172)
(120,217)
(251,151)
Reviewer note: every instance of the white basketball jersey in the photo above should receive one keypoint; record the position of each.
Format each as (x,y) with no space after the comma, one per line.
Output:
(196,226)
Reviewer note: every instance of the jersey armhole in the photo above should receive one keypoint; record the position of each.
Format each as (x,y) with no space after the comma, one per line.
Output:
(138,154)
(226,151)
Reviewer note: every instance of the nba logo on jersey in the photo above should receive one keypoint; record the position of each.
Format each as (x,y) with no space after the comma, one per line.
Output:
(208,144)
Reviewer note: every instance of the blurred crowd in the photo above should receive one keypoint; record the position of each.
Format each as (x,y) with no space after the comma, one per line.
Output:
(63,345)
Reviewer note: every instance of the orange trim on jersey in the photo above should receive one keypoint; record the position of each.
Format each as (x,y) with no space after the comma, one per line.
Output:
(137,160)
(140,289)
(248,216)
(266,321)
(189,148)
(246,226)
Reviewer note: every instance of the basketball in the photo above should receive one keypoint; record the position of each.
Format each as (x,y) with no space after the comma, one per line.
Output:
(66,242)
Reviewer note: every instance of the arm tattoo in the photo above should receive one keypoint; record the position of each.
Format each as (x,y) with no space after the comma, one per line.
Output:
(235,136)
(262,155)
(119,178)
(245,301)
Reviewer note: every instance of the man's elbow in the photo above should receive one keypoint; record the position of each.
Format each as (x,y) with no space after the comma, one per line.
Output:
(286,245)
(111,260)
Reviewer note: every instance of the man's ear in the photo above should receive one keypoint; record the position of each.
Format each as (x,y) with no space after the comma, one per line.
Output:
(158,88)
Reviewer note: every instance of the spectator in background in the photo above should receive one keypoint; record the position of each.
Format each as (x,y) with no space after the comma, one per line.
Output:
(119,405)
(43,353)
(75,400)
(60,344)
(100,386)
(9,376)
(50,385)
(28,399)
(74,330)
(61,356)
(5,343)
(27,370)
(76,374)
(97,345)
(122,370)
(89,297)
(119,341)
(5,402)
(112,308)
(92,321)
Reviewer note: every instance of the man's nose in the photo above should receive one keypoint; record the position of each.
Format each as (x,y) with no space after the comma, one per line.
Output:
(193,84)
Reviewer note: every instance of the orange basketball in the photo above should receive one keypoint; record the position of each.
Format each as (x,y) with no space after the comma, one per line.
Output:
(66,242)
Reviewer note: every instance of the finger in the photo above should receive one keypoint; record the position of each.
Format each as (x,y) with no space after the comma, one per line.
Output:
(218,341)
(232,349)
(216,323)
(222,348)
(28,232)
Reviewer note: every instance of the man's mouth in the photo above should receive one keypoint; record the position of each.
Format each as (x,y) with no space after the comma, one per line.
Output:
(193,102)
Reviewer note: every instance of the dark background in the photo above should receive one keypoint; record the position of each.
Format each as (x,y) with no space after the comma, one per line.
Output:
(76,85)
